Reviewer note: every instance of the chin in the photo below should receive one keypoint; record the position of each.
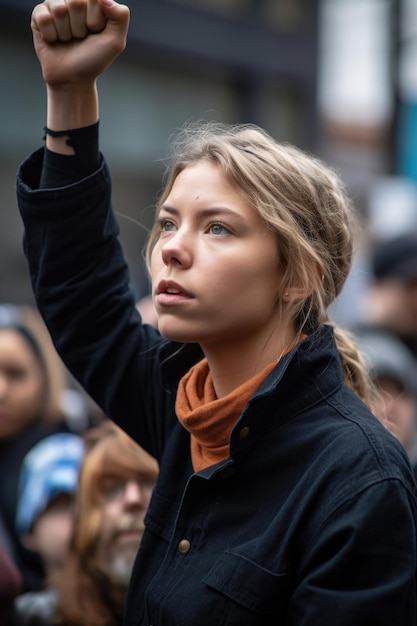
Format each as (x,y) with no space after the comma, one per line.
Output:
(174,332)
(121,567)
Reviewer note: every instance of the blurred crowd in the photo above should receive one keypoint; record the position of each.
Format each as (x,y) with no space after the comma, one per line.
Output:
(74,489)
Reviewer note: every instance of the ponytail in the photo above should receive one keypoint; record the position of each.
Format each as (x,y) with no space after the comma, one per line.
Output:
(355,372)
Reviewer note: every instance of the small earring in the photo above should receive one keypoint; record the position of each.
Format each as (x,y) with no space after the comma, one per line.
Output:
(286,294)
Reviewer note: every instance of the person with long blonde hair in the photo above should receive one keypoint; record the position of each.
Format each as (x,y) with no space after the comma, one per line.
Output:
(281,498)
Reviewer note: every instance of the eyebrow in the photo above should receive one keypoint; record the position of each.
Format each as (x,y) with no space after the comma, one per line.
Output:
(208,212)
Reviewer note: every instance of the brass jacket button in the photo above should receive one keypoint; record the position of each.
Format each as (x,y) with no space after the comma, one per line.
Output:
(184,546)
(244,433)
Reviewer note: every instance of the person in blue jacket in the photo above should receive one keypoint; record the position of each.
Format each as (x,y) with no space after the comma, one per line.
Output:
(282,499)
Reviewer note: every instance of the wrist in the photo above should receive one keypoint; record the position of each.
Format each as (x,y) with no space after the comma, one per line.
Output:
(71,106)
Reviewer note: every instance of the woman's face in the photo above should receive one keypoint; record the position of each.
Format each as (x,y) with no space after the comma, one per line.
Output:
(214,268)
(21,384)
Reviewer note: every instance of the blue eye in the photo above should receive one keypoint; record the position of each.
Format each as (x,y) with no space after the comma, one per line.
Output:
(218,229)
(167,225)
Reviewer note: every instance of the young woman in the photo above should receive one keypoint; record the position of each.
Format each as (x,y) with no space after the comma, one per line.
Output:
(281,498)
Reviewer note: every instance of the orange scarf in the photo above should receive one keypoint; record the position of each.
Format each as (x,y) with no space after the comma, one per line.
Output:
(210,419)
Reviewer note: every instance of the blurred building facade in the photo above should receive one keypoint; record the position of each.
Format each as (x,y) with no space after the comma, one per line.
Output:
(368,109)
(186,60)
(323,74)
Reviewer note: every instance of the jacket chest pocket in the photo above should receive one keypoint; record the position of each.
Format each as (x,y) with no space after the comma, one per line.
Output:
(250,592)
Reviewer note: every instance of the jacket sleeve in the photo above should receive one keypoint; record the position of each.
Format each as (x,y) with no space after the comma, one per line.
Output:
(80,280)
(358,569)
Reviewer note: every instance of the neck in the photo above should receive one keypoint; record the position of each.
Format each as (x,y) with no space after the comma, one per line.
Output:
(233,363)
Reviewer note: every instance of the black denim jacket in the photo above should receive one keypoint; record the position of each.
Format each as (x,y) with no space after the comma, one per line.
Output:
(311,521)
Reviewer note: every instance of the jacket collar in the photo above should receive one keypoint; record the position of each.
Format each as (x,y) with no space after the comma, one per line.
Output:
(310,373)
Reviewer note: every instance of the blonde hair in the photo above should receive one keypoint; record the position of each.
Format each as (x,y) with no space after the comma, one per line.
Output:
(304,202)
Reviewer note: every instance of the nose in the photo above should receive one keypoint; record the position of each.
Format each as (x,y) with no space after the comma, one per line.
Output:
(177,249)
(135,495)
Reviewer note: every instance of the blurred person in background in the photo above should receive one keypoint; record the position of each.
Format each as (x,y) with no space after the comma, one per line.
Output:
(393,370)
(116,481)
(45,509)
(390,301)
(32,379)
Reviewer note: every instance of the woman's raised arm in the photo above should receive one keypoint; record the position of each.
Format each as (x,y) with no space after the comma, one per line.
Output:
(75,41)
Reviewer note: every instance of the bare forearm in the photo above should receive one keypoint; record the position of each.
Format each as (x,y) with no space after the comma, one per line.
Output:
(68,109)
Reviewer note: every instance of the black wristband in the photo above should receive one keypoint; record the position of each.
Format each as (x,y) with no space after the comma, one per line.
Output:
(56,133)
(60,170)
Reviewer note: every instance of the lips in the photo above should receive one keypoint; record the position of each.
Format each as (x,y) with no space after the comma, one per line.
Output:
(172,288)
(169,294)
(128,527)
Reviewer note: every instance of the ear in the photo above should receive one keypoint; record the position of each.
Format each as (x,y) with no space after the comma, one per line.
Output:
(295,294)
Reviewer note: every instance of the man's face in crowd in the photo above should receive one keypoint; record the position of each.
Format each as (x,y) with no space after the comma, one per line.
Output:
(125,501)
